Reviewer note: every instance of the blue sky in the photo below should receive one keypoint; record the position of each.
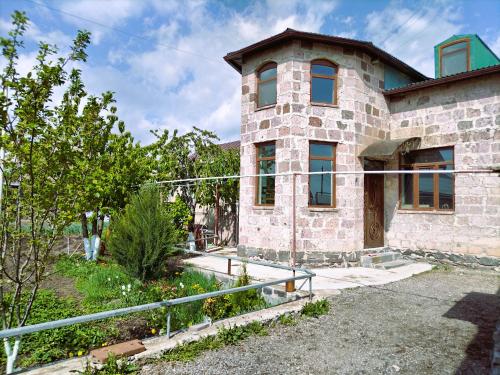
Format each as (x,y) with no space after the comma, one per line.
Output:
(163,58)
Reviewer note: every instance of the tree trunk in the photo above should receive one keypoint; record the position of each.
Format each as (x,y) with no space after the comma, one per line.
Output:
(85,236)
(95,241)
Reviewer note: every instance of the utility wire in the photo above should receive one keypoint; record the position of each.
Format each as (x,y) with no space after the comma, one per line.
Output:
(391,34)
(121,31)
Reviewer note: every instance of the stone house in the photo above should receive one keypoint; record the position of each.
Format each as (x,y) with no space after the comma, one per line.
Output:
(316,103)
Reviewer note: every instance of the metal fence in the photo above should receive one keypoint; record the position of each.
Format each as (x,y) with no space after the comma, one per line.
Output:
(305,275)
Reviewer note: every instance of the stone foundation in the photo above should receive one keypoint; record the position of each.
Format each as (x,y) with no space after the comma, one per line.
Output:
(314,258)
(458,259)
(352,258)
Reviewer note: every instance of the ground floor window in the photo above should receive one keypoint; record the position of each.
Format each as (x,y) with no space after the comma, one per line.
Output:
(321,186)
(266,164)
(427,191)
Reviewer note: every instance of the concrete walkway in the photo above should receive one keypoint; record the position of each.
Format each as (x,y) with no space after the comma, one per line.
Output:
(326,278)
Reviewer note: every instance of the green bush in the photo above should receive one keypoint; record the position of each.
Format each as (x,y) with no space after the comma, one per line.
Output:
(187,283)
(143,236)
(315,309)
(236,303)
(181,216)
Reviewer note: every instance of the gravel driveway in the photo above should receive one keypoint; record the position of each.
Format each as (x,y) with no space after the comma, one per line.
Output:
(440,322)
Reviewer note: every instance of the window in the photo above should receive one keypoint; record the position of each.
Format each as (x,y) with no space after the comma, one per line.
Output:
(454,57)
(427,191)
(323,82)
(266,85)
(321,186)
(266,164)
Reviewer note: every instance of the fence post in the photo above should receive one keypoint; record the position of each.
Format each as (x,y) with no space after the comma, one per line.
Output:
(229,267)
(168,322)
(310,289)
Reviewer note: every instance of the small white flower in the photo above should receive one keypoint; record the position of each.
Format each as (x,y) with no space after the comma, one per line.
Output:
(109,278)
(124,293)
(181,285)
(123,287)
(129,286)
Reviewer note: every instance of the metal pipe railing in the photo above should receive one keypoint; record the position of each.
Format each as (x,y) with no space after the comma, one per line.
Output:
(306,274)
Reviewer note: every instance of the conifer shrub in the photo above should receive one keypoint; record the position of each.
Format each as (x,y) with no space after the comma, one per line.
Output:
(143,236)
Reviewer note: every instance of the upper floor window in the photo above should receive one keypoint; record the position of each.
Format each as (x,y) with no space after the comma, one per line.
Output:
(266,84)
(454,57)
(321,186)
(323,82)
(427,191)
(266,164)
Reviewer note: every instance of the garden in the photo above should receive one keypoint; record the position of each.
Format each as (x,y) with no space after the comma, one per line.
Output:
(69,165)
(144,268)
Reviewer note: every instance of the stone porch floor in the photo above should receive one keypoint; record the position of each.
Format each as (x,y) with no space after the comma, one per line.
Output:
(326,278)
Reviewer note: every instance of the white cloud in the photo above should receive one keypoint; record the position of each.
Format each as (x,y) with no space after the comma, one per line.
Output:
(411,34)
(181,90)
(494,44)
(110,13)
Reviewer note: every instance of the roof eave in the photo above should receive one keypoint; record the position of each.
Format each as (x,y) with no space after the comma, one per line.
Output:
(290,33)
(444,80)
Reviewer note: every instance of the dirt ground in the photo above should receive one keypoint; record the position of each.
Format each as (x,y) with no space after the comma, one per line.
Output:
(440,322)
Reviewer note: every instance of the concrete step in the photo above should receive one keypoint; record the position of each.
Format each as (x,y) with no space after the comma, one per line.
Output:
(392,264)
(370,260)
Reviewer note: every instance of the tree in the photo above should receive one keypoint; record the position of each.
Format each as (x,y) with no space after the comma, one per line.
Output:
(40,189)
(186,156)
(144,235)
(111,165)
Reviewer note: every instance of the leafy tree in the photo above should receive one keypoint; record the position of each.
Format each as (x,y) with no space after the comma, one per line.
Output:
(112,166)
(39,172)
(144,235)
(186,156)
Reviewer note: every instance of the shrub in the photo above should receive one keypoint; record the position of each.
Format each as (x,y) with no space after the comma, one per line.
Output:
(187,283)
(180,213)
(143,236)
(315,309)
(236,303)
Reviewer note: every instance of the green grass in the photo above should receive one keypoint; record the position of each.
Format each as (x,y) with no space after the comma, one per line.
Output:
(50,345)
(315,309)
(113,366)
(225,336)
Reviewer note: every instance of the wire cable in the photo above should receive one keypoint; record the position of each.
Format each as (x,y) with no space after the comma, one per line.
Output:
(122,31)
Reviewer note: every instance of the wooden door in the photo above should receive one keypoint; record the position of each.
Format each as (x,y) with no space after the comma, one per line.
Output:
(374,210)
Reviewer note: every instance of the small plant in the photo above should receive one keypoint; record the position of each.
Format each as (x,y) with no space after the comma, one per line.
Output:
(113,366)
(143,236)
(189,351)
(225,336)
(287,320)
(315,309)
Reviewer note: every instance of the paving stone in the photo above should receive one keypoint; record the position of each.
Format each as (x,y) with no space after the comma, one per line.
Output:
(124,349)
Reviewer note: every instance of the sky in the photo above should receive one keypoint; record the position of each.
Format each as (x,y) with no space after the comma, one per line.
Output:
(163,59)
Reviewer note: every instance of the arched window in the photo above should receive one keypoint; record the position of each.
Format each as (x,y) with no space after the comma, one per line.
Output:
(266,84)
(323,82)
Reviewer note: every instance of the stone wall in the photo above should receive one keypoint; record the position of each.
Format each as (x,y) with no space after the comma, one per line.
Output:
(361,117)
(465,115)
(462,114)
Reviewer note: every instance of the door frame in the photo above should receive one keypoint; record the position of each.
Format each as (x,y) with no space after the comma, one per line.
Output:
(374,165)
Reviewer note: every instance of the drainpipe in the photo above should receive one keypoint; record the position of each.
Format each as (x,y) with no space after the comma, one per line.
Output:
(290,285)
(216,218)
